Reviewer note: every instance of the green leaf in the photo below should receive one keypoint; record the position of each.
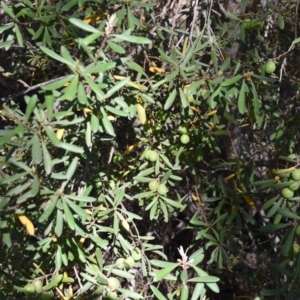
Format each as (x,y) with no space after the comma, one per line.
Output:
(280,21)
(273,292)
(36,150)
(214,287)
(241,100)
(52,136)
(170,99)
(96,89)
(123,274)
(132,39)
(35,186)
(81,198)
(164,272)
(199,291)
(288,241)
(48,210)
(8,10)
(31,104)
(58,84)
(288,214)
(58,258)
(71,148)
(131,294)
(197,257)
(56,56)
(19,36)
(106,123)
(47,159)
(273,227)
(81,94)
(116,48)
(204,279)
(232,80)
(100,67)
(54,282)
(68,214)
(82,25)
(59,223)
(77,209)
(71,90)
(157,293)
(183,98)
(117,86)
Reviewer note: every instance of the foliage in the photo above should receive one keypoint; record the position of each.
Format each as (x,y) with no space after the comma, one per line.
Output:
(118,100)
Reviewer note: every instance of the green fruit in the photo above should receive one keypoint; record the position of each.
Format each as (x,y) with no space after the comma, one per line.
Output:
(298,230)
(120,263)
(256,25)
(113,283)
(203,92)
(152,156)
(162,189)
(270,67)
(136,254)
(45,296)
(129,262)
(184,139)
(29,288)
(112,184)
(153,185)
(296,248)
(296,175)
(198,157)
(117,159)
(38,286)
(287,193)
(183,129)
(247,24)
(294,186)
(111,296)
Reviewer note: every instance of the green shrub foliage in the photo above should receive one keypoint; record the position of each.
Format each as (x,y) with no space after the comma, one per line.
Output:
(101,98)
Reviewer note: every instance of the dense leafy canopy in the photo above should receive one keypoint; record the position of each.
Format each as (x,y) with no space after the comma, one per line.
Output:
(149,149)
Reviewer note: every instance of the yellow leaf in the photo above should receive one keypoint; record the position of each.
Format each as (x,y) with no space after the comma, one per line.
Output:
(87,110)
(131,148)
(60,133)
(211,113)
(61,294)
(229,177)
(195,109)
(91,19)
(27,223)
(80,243)
(141,113)
(156,70)
(125,225)
(111,118)
(282,171)
(137,86)
(195,198)
(70,291)
(118,77)
(88,212)
(67,84)
(248,200)
(232,208)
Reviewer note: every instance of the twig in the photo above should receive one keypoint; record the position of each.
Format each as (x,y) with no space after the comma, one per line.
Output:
(34,87)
